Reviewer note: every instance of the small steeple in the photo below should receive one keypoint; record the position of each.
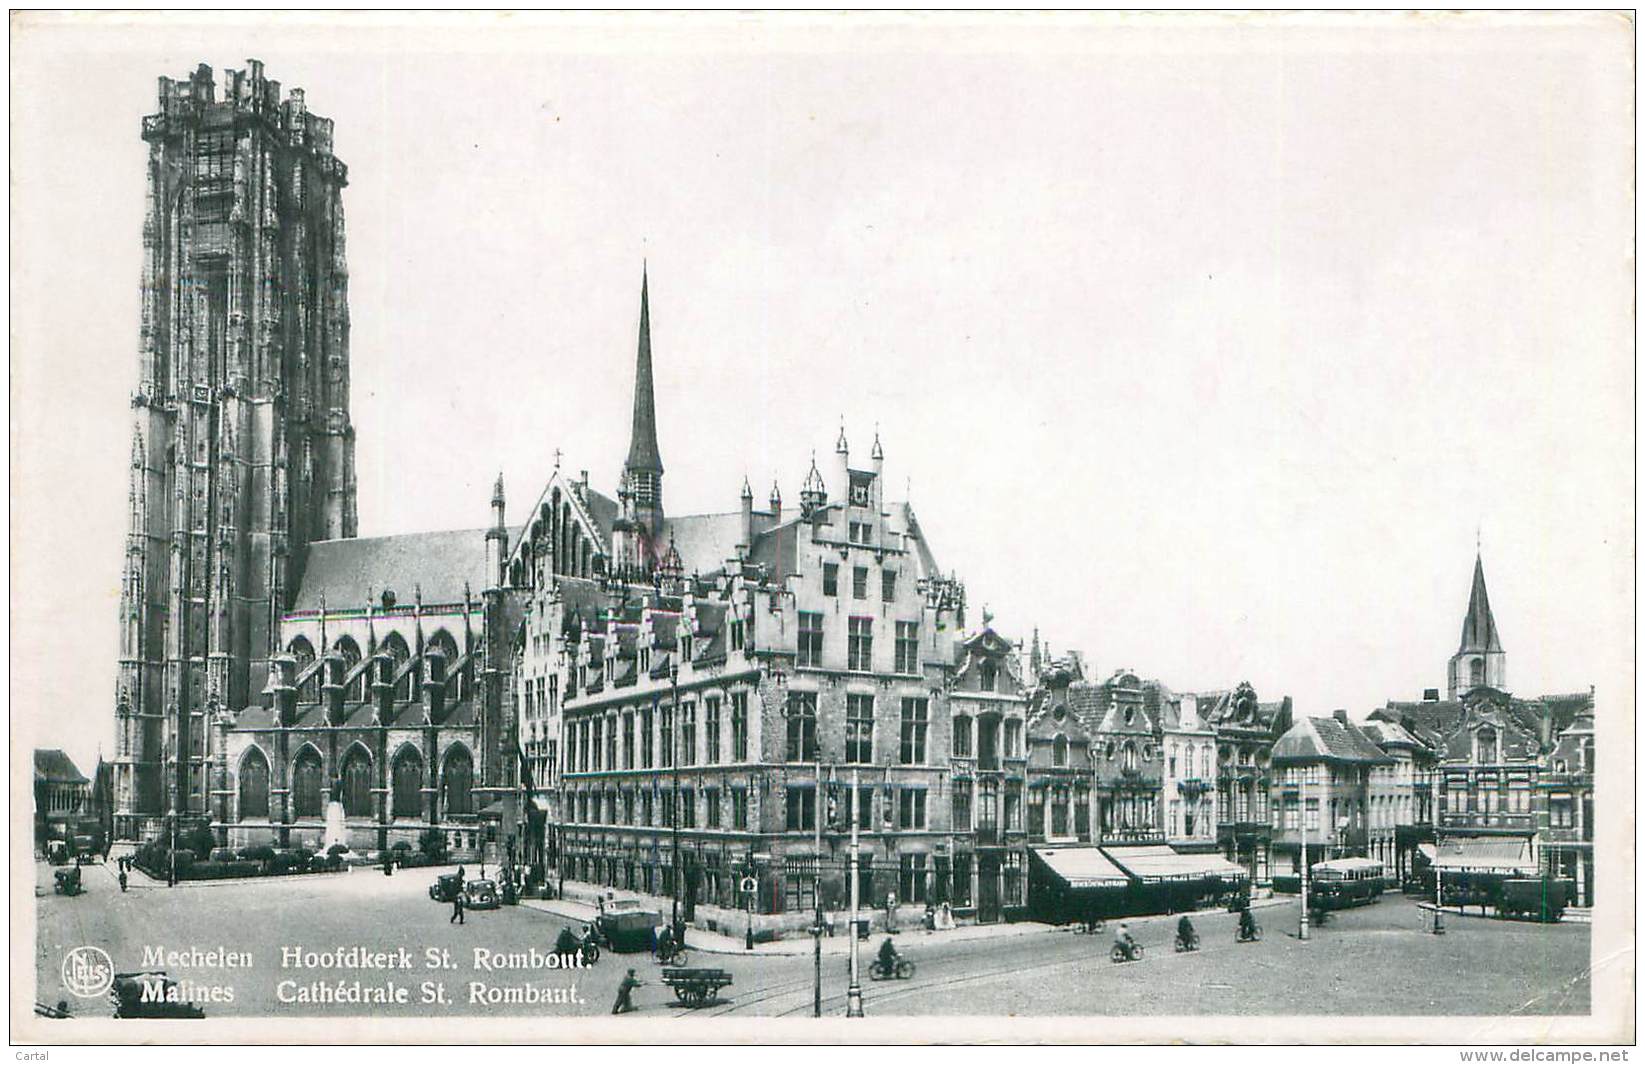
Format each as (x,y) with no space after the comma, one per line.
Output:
(642,445)
(813,493)
(1479,626)
(748,493)
(497,492)
(840,446)
(877,454)
(1479,660)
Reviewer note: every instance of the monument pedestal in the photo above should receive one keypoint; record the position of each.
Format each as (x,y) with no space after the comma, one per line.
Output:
(335,832)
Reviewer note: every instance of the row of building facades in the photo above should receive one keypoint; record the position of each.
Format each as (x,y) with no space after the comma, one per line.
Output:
(605,691)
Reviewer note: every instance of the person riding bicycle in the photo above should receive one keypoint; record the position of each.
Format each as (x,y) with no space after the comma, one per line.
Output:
(1247,923)
(589,942)
(888,956)
(1185,930)
(1123,940)
(665,942)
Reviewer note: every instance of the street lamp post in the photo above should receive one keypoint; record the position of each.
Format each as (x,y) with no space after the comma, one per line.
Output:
(1302,926)
(853,994)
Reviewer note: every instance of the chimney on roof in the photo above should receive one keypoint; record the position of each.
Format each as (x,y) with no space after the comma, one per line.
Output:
(1430,695)
(1340,715)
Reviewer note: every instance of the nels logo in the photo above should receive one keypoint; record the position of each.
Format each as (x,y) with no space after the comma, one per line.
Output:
(88,971)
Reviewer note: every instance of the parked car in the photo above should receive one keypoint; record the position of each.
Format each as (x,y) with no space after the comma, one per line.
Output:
(481,895)
(443,888)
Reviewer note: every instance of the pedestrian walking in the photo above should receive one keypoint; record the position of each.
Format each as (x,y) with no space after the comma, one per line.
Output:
(457,908)
(122,881)
(624,990)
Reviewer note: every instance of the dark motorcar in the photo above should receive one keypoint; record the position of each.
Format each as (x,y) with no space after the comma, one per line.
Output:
(628,925)
(150,994)
(481,895)
(444,888)
(68,881)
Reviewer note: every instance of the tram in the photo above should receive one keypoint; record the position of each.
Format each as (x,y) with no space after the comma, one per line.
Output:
(1343,882)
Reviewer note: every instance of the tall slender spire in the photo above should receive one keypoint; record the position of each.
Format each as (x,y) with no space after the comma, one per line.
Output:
(642,447)
(1479,626)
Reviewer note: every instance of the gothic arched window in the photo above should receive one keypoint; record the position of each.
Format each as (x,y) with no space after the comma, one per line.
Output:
(457,783)
(308,691)
(1059,751)
(1476,672)
(447,647)
(349,652)
(408,784)
(395,647)
(306,774)
(253,785)
(357,783)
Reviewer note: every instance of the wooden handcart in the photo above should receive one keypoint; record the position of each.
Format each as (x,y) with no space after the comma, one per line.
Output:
(696,987)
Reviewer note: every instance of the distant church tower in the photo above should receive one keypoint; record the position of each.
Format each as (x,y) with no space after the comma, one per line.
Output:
(1479,658)
(642,480)
(242,451)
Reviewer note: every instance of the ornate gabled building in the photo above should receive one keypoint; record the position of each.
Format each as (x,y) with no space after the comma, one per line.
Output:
(696,691)
(1502,760)
(242,451)
(992,766)
(1246,729)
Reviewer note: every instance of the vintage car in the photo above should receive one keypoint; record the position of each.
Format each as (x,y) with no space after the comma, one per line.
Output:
(628,925)
(481,895)
(68,881)
(444,887)
(150,994)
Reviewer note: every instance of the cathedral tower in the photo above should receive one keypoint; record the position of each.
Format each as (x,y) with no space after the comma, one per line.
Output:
(1480,659)
(242,449)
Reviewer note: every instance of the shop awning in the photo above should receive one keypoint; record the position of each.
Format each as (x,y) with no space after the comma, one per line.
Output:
(1081,867)
(1486,854)
(1160,862)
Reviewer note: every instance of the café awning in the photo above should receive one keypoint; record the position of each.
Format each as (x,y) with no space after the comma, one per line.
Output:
(1486,854)
(1081,867)
(1155,862)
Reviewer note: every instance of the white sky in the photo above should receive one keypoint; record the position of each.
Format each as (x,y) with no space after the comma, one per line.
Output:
(1205,345)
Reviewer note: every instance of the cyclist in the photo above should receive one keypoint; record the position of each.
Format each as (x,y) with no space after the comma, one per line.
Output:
(1247,923)
(1185,931)
(1123,940)
(888,956)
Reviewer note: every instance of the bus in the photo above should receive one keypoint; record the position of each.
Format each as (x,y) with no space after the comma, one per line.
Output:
(1343,882)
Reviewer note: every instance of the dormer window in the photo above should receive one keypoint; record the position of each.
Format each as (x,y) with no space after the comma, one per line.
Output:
(1059,752)
(859,493)
(988,675)
(736,635)
(645,660)
(685,646)
(1130,714)
(1485,746)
